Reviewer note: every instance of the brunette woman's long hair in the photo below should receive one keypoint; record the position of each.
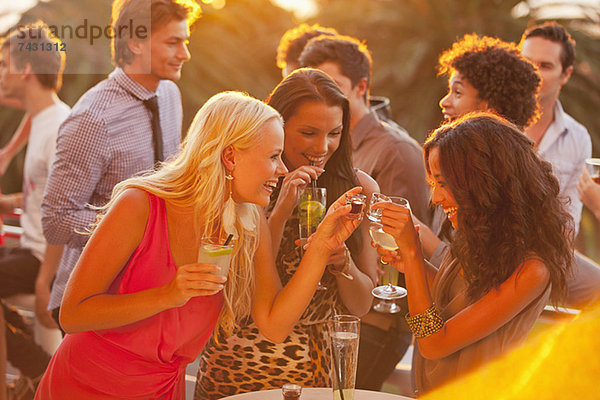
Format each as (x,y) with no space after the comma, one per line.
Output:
(508,201)
(307,85)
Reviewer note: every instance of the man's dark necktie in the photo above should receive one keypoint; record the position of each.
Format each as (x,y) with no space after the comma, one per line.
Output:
(152,105)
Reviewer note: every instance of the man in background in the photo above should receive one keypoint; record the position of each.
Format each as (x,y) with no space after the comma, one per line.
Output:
(395,161)
(561,140)
(124,125)
(290,47)
(32,78)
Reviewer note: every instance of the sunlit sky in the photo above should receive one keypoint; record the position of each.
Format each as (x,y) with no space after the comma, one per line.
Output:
(10,11)
(302,8)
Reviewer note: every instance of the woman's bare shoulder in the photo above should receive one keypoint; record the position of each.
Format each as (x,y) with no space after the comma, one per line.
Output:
(133,205)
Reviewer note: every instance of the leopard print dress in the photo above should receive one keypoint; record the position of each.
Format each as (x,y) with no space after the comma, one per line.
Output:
(247,361)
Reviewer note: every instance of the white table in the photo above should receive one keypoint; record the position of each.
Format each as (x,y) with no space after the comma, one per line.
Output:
(315,394)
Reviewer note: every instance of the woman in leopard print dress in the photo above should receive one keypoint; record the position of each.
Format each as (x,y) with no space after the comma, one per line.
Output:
(316,132)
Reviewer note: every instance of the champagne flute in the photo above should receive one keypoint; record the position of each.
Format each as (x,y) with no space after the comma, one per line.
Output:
(389,292)
(311,211)
(344,337)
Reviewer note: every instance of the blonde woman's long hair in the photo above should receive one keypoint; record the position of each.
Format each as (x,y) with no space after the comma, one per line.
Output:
(196,178)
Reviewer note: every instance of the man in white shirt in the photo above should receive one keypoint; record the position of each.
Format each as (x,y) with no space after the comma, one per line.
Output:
(561,140)
(32,78)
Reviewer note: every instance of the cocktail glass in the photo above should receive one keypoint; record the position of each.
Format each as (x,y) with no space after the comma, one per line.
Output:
(213,250)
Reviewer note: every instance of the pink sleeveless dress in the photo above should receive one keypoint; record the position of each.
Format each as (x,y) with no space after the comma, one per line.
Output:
(145,359)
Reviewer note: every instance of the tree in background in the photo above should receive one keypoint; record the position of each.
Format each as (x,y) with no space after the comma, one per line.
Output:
(233,48)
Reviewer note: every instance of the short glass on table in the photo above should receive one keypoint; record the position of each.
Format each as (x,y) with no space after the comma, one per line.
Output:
(291,391)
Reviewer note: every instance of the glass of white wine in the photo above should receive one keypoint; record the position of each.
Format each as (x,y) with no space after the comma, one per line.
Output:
(390,292)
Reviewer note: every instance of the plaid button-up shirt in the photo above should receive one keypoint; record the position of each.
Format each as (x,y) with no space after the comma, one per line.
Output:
(106,139)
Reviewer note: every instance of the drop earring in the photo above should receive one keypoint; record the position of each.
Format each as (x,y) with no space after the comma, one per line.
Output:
(229,215)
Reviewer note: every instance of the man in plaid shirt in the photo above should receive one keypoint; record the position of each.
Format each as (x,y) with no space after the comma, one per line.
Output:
(109,135)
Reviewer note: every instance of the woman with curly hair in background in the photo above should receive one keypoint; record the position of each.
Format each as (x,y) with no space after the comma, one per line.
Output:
(484,74)
(511,251)
(488,74)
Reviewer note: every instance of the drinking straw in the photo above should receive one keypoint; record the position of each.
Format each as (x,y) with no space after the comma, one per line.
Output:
(337,372)
(228,239)
(312,181)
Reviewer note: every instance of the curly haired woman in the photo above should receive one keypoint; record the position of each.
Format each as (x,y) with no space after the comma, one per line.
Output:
(510,253)
(486,73)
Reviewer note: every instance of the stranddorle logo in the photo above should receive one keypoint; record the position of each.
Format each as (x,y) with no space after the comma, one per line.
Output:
(84,39)
(91,32)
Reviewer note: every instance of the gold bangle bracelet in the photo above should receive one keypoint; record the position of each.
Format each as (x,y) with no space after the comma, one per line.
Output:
(426,323)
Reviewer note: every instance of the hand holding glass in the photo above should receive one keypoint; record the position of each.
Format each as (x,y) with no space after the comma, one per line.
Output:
(213,250)
(387,292)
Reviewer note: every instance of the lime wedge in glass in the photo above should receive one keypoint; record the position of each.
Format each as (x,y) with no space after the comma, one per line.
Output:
(212,250)
(313,209)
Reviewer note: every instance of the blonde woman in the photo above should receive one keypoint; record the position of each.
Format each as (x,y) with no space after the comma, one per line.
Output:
(138,307)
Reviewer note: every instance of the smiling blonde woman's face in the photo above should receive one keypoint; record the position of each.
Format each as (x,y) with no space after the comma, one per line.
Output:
(258,168)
